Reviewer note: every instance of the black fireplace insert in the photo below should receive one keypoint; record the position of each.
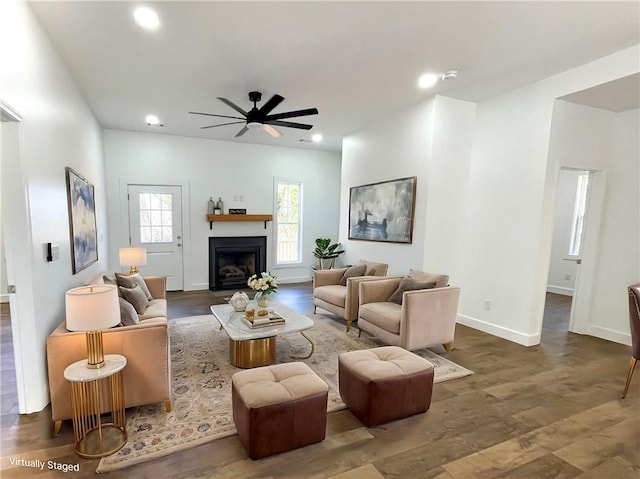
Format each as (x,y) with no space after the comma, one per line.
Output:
(233,259)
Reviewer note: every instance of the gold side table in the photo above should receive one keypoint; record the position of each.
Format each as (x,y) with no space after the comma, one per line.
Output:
(94,391)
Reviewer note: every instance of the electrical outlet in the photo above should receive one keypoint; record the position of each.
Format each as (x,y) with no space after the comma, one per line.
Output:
(487,305)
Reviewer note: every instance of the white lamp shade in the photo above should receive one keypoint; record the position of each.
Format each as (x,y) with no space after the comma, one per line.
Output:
(133,256)
(92,308)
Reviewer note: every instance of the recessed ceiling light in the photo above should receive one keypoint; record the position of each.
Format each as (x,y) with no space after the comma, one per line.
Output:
(152,120)
(428,80)
(316,138)
(146,18)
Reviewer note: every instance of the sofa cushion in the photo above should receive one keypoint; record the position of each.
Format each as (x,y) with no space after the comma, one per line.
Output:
(374,269)
(333,293)
(128,314)
(441,280)
(384,315)
(408,284)
(157,309)
(352,272)
(136,297)
(131,280)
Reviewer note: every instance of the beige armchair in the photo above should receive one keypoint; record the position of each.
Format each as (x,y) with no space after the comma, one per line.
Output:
(340,300)
(426,317)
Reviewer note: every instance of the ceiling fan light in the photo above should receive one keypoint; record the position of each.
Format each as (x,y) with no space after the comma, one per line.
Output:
(146,18)
(254,124)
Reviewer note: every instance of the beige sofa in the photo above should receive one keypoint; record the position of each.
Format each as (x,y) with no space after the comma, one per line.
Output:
(147,376)
(342,301)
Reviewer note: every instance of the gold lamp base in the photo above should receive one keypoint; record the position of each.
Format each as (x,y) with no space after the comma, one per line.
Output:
(133,270)
(95,354)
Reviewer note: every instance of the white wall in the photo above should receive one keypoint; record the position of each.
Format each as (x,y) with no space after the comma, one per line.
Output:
(618,262)
(512,191)
(562,272)
(431,140)
(503,246)
(398,147)
(57,130)
(211,168)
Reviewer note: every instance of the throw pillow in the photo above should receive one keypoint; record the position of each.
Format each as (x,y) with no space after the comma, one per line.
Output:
(440,279)
(136,297)
(408,284)
(128,315)
(131,280)
(352,272)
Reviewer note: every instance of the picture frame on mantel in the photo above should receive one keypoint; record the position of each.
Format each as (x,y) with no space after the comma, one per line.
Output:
(82,221)
(383,211)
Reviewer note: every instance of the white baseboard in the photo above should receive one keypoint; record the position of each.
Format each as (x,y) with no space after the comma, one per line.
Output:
(609,334)
(295,279)
(500,331)
(559,290)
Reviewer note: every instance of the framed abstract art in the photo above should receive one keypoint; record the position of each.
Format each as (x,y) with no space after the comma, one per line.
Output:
(82,221)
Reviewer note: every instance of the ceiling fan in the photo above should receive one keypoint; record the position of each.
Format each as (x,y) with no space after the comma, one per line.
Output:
(260,118)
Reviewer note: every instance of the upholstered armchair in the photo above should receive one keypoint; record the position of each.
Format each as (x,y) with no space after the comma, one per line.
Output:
(342,299)
(425,318)
(634,318)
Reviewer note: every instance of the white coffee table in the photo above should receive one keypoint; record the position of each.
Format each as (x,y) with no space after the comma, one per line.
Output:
(249,348)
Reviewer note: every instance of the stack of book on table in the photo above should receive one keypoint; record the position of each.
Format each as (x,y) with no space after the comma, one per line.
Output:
(256,321)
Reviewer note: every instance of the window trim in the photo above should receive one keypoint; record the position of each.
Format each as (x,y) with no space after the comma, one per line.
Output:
(277,181)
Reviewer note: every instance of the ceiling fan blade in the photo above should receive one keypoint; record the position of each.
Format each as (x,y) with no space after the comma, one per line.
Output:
(221,124)
(213,114)
(232,105)
(291,114)
(243,131)
(271,130)
(290,124)
(273,102)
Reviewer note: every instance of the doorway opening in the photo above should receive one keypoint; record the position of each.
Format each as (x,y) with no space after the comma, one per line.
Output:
(569,228)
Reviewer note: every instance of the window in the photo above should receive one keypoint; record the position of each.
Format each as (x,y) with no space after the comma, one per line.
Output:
(288,221)
(156,222)
(577,224)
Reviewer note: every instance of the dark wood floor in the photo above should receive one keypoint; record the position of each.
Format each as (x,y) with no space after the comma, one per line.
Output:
(552,410)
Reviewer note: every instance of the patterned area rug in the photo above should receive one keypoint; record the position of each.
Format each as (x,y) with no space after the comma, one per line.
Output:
(201,385)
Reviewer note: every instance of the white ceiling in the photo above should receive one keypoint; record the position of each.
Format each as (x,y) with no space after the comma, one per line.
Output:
(617,95)
(354,61)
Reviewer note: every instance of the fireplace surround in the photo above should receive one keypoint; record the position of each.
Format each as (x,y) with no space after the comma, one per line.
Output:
(233,259)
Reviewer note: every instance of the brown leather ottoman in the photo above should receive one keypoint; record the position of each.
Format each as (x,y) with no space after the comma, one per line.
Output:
(383,384)
(278,408)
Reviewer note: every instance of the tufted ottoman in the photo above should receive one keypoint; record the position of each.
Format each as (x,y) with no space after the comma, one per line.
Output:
(278,408)
(383,384)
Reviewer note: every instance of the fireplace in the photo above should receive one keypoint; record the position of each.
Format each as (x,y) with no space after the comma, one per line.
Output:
(232,259)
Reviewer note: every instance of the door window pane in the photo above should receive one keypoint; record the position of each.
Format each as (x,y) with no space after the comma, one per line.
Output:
(288,222)
(156,219)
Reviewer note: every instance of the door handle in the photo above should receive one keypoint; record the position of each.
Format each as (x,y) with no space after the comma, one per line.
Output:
(179,244)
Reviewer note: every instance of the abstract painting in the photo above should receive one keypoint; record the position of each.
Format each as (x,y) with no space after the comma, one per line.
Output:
(82,220)
(383,211)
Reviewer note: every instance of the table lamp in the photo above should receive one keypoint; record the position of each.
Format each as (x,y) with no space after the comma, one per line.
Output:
(92,309)
(133,257)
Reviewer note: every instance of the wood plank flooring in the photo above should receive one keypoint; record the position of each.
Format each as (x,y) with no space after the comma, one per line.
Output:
(548,411)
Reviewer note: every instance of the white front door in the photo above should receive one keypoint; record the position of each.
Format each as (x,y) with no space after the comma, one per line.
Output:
(155,223)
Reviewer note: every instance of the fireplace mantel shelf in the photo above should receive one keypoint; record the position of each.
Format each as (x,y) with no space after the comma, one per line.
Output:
(265,218)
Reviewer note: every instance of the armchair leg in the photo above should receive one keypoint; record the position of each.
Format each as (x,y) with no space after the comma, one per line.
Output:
(57,425)
(314,309)
(359,332)
(167,406)
(348,325)
(631,368)
(447,346)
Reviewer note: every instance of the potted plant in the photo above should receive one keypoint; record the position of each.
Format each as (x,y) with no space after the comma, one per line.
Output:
(327,252)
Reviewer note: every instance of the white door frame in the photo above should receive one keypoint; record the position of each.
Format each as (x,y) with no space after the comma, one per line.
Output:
(123,234)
